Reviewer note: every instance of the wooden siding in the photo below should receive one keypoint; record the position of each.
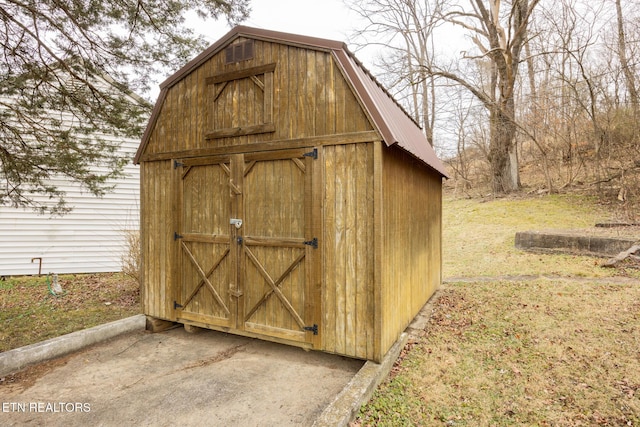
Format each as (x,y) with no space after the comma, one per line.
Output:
(310,98)
(89,239)
(374,210)
(412,206)
(348,305)
(158,246)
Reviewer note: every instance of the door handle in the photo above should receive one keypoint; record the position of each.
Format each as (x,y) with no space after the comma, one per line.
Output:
(236,221)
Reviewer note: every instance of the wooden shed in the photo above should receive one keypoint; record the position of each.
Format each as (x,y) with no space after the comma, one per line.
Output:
(286,196)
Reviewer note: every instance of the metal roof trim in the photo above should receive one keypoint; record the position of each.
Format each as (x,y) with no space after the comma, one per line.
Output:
(392,121)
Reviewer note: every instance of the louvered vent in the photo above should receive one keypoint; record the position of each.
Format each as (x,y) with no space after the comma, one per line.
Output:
(239,52)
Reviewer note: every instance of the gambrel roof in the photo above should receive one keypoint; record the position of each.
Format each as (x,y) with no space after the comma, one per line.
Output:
(389,118)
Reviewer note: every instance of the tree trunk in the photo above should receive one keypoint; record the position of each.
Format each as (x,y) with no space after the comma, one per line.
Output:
(502,153)
(627,68)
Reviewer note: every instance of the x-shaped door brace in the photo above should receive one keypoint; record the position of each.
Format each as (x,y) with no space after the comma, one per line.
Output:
(205,278)
(274,284)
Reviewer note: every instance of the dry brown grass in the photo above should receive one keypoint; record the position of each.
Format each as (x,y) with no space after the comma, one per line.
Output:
(521,353)
(478,236)
(562,351)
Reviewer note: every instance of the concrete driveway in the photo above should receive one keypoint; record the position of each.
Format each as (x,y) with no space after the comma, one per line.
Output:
(177,378)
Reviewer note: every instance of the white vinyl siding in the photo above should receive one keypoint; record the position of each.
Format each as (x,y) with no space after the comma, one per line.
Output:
(89,239)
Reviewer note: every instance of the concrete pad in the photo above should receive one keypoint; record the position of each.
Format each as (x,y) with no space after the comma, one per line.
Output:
(19,358)
(173,377)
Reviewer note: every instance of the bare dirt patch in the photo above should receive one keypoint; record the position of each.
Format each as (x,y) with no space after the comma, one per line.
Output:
(27,377)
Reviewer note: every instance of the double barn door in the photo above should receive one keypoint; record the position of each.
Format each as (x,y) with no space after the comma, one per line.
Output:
(246,245)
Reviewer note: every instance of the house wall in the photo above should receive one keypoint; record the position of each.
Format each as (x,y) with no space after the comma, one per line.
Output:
(89,239)
(411,236)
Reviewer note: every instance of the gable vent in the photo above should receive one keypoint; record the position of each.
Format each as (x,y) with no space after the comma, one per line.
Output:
(239,52)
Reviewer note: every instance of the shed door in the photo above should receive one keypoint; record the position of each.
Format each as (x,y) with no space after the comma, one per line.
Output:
(204,238)
(254,276)
(277,245)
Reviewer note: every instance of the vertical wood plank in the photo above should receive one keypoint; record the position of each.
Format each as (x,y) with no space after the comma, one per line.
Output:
(350,247)
(299,84)
(275,180)
(161,241)
(321,80)
(372,238)
(144,232)
(330,94)
(309,93)
(362,244)
(268,98)
(283,94)
(176,215)
(149,221)
(329,298)
(146,191)
(378,262)
(341,103)
(200,107)
(340,251)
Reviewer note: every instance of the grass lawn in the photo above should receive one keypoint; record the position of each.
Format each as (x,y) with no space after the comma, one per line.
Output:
(30,312)
(563,349)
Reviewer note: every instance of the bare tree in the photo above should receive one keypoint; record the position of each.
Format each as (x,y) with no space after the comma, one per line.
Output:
(627,67)
(405,29)
(500,36)
(558,81)
(459,124)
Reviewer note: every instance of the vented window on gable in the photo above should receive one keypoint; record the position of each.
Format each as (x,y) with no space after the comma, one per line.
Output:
(239,52)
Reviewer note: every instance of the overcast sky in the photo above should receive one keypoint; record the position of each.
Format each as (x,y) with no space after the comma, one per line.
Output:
(328,19)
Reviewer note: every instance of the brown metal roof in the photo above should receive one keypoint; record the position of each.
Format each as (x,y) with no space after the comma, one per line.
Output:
(390,119)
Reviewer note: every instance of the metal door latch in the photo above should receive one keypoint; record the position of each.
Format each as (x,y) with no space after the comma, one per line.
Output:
(236,221)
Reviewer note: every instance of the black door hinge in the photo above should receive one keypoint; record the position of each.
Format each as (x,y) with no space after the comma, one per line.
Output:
(176,236)
(313,243)
(313,154)
(177,164)
(176,305)
(313,329)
